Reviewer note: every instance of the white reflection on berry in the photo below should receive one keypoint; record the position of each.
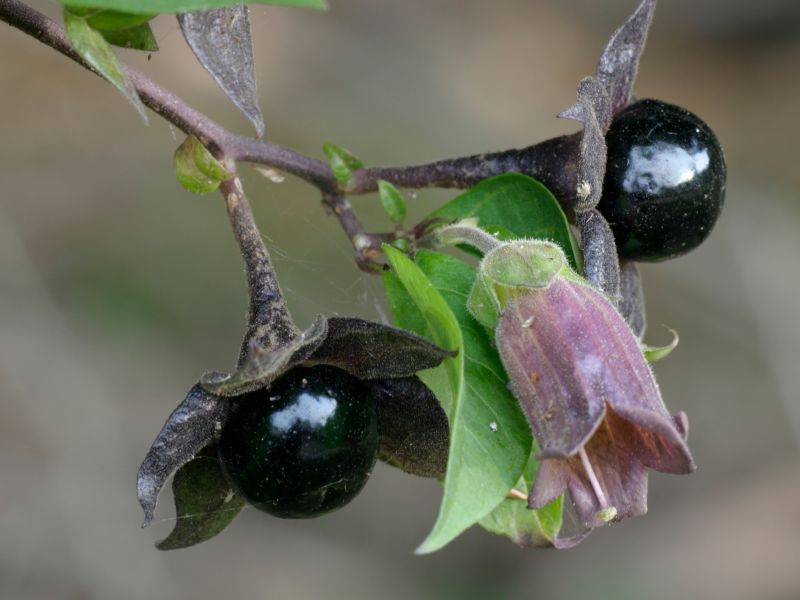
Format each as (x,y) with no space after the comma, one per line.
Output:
(310,410)
(661,166)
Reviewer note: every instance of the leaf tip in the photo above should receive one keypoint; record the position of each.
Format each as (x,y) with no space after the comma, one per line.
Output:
(258,123)
(147,491)
(424,548)
(436,541)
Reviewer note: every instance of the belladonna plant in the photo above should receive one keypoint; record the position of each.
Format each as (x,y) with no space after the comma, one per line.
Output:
(568,345)
(555,321)
(581,378)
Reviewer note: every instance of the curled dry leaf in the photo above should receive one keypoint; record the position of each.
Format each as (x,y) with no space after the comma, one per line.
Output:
(619,61)
(220,39)
(188,430)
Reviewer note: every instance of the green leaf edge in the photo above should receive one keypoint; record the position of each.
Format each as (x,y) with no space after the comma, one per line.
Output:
(96,51)
(140,37)
(178,6)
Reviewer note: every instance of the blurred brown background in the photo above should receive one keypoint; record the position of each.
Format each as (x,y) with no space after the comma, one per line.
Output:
(117,289)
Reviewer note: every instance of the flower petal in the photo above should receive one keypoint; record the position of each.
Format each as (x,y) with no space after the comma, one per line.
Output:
(660,444)
(619,453)
(591,400)
(568,353)
(621,477)
(555,369)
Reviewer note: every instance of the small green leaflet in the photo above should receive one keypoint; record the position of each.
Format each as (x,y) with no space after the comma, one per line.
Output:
(342,161)
(96,51)
(512,206)
(176,6)
(205,503)
(196,169)
(490,441)
(393,201)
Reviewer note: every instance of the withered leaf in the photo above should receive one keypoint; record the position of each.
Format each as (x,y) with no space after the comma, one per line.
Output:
(591,109)
(600,262)
(370,350)
(619,62)
(415,434)
(188,429)
(220,39)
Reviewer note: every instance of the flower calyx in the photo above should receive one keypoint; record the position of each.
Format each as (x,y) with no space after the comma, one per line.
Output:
(365,349)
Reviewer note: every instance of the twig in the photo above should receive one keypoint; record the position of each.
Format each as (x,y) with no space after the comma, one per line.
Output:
(548,161)
(553,162)
(176,111)
(367,245)
(267,305)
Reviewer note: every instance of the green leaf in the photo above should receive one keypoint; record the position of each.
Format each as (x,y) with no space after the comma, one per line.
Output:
(401,244)
(525,527)
(81,11)
(490,440)
(176,6)
(342,162)
(96,51)
(206,163)
(113,20)
(196,169)
(135,38)
(205,503)
(513,206)
(126,30)
(428,315)
(393,201)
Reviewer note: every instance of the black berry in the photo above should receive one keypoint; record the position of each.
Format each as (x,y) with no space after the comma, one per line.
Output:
(303,447)
(665,181)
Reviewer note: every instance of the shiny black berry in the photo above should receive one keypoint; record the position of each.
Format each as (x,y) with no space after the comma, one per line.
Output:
(303,447)
(665,181)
